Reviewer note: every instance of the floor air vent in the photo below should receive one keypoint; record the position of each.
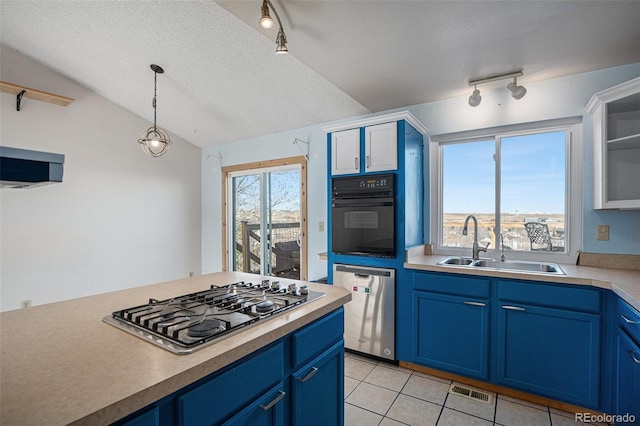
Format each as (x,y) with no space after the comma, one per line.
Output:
(471,393)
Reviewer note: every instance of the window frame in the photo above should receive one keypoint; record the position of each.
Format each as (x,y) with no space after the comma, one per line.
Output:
(573,186)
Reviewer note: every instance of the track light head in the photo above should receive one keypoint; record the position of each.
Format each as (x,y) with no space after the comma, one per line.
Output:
(475,98)
(265,21)
(517,92)
(281,43)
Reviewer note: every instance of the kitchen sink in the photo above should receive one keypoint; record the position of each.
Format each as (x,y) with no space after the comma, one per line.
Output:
(456,261)
(519,265)
(507,265)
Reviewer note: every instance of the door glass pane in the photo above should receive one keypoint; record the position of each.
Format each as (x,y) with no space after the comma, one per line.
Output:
(284,213)
(266,214)
(247,219)
(468,176)
(533,183)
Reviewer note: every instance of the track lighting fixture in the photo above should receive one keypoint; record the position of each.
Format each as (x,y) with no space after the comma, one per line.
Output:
(517,92)
(267,23)
(155,141)
(475,98)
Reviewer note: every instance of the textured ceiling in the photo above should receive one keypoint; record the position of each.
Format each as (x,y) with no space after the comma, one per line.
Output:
(223,82)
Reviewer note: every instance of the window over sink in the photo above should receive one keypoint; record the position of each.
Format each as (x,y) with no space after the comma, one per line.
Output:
(521,182)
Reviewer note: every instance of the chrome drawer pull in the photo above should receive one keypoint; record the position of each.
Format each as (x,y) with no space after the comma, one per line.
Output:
(312,373)
(474,303)
(628,321)
(512,308)
(274,402)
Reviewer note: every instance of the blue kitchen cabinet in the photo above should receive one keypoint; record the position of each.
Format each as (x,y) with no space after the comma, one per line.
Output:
(266,411)
(451,329)
(295,380)
(627,376)
(318,390)
(627,361)
(549,340)
(213,401)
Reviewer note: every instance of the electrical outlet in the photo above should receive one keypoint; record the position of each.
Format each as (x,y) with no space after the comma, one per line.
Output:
(603,233)
(321,226)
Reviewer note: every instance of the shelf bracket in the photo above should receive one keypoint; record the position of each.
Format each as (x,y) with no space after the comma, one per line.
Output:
(19,99)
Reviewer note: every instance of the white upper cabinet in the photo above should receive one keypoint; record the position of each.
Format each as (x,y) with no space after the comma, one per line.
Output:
(345,152)
(616,146)
(381,147)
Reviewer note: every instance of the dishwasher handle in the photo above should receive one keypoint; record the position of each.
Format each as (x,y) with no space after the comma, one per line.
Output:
(365,272)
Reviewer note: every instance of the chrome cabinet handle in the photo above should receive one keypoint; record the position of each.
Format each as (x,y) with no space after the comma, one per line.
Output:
(368,161)
(628,321)
(274,402)
(355,163)
(513,308)
(474,303)
(632,354)
(312,373)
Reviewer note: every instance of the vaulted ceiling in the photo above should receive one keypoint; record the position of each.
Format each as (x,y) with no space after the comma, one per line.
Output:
(223,82)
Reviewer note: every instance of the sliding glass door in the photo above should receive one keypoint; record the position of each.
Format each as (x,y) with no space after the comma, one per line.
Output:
(265,236)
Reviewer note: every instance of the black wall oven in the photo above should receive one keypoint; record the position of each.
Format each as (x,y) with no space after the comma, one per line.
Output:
(363,215)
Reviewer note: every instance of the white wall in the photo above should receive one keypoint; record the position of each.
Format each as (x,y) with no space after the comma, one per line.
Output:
(119,219)
(557,98)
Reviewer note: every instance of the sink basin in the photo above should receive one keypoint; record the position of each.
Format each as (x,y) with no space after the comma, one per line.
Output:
(507,265)
(456,261)
(519,265)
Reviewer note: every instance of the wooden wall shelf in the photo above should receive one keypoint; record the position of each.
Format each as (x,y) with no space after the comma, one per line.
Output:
(38,95)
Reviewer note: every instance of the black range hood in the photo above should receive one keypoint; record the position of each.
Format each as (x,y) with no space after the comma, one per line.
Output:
(23,168)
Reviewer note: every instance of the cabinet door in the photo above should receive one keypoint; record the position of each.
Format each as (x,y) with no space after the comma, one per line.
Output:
(381,147)
(627,375)
(452,333)
(551,352)
(345,152)
(266,411)
(318,390)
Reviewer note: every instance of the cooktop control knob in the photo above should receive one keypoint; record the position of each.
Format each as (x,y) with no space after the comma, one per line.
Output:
(275,285)
(292,288)
(304,290)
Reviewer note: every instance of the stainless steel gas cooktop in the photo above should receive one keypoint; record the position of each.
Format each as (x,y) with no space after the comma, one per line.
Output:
(192,321)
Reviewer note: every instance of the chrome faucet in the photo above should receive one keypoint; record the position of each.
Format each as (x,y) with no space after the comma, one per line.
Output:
(502,256)
(476,249)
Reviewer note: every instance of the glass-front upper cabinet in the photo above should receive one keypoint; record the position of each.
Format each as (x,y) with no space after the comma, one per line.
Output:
(616,146)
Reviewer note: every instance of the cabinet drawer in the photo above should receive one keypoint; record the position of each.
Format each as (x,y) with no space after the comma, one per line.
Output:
(452,284)
(557,296)
(318,336)
(628,318)
(212,401)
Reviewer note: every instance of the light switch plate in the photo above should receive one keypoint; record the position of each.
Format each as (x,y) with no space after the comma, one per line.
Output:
(603,233)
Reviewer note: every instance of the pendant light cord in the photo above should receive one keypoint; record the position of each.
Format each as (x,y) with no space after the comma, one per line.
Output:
(155,88)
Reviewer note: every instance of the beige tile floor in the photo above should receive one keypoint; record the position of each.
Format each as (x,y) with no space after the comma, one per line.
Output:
(378,393)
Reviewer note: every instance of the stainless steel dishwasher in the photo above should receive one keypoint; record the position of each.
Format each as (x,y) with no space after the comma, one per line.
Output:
(370,315)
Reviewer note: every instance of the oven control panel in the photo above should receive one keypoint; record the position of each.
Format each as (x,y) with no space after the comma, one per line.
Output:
(363,186)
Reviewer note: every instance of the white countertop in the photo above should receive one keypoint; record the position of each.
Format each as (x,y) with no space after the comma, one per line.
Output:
(624,282)
(61,364)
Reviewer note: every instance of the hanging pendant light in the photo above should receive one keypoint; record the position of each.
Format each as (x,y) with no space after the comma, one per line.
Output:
(155,141)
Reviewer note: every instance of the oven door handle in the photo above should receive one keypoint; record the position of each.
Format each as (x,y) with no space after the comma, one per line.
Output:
(381,204)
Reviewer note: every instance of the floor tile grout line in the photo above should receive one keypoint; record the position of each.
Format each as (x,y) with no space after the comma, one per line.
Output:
(357,406)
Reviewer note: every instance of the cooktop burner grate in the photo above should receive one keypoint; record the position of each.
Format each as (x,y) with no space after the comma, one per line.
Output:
(185,323)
